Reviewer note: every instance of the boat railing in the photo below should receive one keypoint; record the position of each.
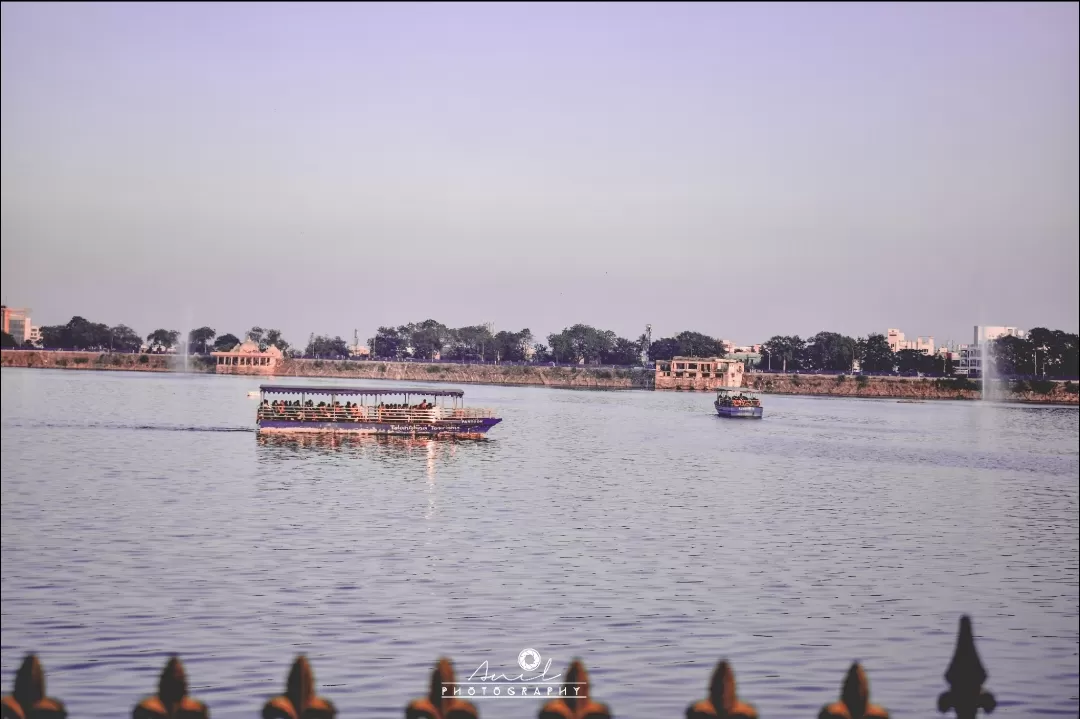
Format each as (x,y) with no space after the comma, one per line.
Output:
(371,414)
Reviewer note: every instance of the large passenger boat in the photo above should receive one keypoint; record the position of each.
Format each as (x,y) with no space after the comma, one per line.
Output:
(367,410)
(738,402)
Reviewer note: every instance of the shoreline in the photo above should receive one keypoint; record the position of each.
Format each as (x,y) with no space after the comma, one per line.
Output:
(582,378)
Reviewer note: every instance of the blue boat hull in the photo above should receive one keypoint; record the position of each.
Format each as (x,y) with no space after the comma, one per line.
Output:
(744,412)
(443,428)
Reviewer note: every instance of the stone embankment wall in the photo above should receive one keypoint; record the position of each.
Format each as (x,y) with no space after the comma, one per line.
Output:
(912,388)
(103,361)
(565,377)
(568,377)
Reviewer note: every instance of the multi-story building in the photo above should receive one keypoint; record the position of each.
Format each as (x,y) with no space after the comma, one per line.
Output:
(698,373)
(971,356)
(989,334)
(35,335)
(898,342)
(16,322)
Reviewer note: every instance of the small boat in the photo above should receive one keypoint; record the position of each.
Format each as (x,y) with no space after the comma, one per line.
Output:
(738,402)
(365,410)
(254,393)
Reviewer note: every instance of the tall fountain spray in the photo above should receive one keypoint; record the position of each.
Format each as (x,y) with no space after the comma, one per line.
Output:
(986,367)
(185,348)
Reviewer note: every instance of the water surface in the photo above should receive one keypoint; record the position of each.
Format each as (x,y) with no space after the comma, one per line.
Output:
(141,515)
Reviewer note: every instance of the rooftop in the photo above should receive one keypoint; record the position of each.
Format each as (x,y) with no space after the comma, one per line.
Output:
(369,391)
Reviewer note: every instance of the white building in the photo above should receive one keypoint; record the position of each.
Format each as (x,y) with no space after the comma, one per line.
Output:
(971,359)
(989,334)
(898,342)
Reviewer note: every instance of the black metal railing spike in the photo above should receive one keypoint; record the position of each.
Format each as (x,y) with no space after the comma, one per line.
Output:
(966,677)
(172,700)
(723,700)
(27,699)
(965,696)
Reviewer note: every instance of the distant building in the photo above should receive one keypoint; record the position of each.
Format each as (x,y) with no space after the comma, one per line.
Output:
(698,373)
(747,355)
(898,342)
(16,322)
(359,351)
(247,358)
(971,357)
(35,335)
(989,334)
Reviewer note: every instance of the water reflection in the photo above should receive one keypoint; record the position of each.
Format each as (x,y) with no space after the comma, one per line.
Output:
(287,447)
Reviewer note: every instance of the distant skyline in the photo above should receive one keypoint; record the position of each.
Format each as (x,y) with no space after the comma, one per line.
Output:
(742,170)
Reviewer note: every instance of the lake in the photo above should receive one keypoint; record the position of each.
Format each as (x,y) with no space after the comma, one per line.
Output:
(636,530)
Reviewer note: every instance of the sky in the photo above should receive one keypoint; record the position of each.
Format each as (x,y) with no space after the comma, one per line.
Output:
(743,170)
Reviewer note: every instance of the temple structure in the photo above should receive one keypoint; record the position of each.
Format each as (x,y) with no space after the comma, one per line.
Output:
(247,358)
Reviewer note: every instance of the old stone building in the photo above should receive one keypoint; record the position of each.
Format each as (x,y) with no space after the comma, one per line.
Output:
(698,373)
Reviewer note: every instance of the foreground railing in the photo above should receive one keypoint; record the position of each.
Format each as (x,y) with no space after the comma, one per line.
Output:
(965,696)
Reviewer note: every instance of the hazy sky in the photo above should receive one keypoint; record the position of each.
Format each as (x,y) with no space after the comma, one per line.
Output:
(741,170)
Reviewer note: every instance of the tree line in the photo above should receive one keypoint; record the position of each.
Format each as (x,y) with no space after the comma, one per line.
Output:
(1044,352)
(828,351)
(82,334)
(577,344)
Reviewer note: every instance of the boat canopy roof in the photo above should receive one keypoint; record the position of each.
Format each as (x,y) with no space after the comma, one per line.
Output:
(370,391)
(740,390)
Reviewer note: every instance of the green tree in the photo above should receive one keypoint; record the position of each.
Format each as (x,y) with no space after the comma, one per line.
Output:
(685,344)
(1054,352)
(226,343)
(470,344)
(1012,356)
(162,340)
(909,360)
(623,352)
(387,343)
(664,348)
(7,340)
(582,343)
(274,339)
(328,347)
(875,355)
(830,351)
(79,333)
(425,338)
(784,353)
(511,346)
(124,339)
(199,340)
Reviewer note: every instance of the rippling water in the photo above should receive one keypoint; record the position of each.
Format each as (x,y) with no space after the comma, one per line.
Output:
(141,515)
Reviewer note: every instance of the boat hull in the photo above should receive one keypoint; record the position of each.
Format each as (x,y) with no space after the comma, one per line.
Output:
(739,412)
(461,428)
